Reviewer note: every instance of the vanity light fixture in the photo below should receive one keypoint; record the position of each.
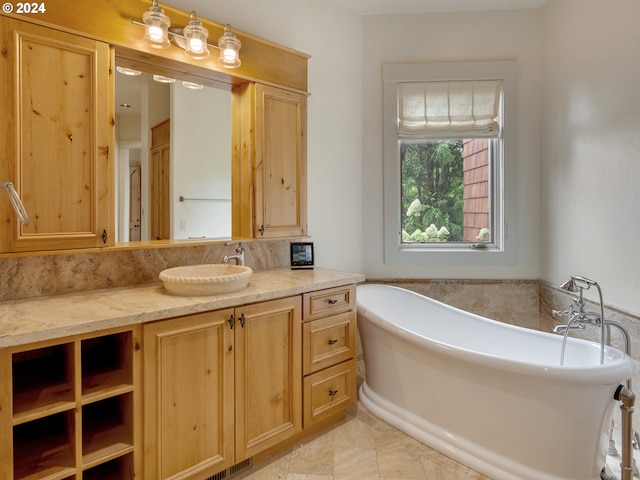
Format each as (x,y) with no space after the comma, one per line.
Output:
(156,26)
(192,38)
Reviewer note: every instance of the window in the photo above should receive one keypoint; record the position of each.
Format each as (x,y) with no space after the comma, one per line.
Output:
(447,149)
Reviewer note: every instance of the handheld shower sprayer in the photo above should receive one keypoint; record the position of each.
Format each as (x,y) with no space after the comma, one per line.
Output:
(578,284)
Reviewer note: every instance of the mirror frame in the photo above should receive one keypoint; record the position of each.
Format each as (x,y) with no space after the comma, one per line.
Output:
(110,21)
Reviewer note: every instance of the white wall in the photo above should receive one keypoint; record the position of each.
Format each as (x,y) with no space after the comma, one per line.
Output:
(591,146)
(332,36)
(474,36)
(200,166)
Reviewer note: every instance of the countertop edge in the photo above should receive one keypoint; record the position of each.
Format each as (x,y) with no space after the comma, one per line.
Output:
(53,317)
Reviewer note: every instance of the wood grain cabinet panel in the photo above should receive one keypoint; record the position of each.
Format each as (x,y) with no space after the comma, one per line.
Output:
(329,302)
(56,116)
(328,341)
(189,396)
(329,353)
(220,387)
(280,208)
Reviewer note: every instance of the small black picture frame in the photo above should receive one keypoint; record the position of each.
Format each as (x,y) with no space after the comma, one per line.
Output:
(301,255)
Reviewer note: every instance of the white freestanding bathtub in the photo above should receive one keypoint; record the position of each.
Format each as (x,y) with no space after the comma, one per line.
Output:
(490,395)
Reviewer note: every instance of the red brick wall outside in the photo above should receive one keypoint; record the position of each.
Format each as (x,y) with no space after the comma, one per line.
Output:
(476,187)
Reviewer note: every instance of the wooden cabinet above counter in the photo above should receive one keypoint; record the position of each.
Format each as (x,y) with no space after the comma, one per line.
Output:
(57,117)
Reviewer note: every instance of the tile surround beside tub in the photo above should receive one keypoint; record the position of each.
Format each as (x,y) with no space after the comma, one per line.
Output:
(509,301)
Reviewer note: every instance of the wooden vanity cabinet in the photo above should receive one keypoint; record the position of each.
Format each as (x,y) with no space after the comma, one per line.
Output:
(329,353)
(220,387)
(189,396)
(56,118)
(273,162)
(69,408)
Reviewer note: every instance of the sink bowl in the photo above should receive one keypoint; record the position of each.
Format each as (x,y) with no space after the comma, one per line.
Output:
(211,279)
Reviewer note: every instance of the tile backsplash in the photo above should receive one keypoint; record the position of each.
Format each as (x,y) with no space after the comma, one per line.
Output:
(54,274)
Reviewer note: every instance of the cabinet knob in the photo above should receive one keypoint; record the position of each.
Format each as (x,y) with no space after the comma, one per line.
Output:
(333,341)
(332,301)
(333,393)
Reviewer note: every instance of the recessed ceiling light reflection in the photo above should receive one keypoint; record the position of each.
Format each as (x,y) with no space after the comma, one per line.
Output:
(128,71)
(163,79)
(192,86)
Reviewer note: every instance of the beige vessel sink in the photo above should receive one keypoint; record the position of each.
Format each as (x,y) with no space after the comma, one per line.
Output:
(211,279)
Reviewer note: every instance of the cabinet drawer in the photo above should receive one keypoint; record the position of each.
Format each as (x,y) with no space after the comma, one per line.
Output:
(329,302)
(329,392)
(328,341)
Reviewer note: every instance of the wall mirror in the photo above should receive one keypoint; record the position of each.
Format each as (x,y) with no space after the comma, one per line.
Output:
(173,142)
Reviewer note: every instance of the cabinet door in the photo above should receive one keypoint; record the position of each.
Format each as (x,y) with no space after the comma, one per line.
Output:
(268,373)
(280,163)
(188,390)
(56,120)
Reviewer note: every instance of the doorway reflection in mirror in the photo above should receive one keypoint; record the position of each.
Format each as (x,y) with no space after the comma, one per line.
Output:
(172,142)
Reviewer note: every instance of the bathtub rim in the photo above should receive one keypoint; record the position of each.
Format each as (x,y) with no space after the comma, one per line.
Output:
(618,366)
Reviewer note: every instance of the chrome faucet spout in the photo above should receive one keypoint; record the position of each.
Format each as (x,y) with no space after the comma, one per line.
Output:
(570,326)
(238,257)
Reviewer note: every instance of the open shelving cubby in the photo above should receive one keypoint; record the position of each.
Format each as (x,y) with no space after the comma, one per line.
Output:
(42,382)
(73,408)
(106,366)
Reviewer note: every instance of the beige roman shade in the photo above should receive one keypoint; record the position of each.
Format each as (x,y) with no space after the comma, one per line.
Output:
(454,109)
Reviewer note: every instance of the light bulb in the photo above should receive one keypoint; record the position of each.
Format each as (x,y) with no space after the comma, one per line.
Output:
(195,44)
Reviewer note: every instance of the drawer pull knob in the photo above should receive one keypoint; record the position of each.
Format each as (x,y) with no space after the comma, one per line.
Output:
(333,393)
(332,341)
(332,301)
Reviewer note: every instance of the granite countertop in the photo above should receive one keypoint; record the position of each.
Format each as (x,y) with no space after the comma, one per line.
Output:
(45,318)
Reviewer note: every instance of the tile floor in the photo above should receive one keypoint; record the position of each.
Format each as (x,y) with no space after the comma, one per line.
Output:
(363,447)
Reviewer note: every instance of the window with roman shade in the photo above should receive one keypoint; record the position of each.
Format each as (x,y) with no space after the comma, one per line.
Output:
(452,109)
(449,157)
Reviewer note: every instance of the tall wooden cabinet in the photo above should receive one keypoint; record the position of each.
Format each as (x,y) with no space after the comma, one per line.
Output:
(56,119)
(220,387)
(272,162)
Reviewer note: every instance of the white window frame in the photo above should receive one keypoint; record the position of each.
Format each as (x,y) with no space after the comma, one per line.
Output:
(503,248)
